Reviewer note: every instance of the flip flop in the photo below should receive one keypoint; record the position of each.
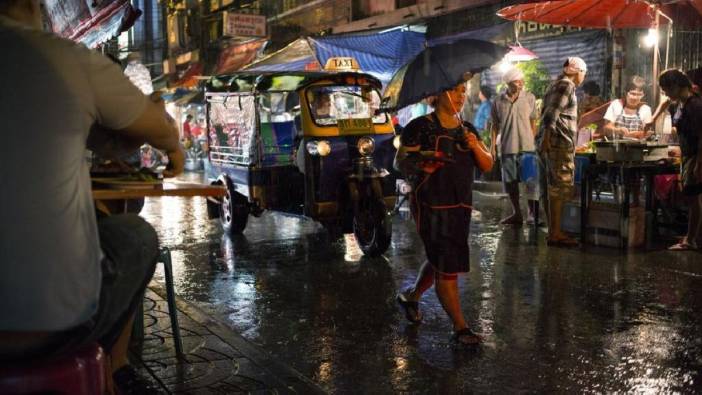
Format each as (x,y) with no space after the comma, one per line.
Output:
(411,309)
(466,337)
(682,246)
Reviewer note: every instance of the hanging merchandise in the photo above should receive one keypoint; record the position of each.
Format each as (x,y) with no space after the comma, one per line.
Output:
(138,74)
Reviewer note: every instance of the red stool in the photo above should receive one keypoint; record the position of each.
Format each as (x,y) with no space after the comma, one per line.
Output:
(80,372)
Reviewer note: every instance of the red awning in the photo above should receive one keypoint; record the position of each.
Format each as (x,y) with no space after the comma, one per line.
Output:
(235,57)
(611,14)
(79,21)
(188,79)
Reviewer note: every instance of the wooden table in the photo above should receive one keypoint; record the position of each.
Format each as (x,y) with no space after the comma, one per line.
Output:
(168,188)
(102,190)
(624,173)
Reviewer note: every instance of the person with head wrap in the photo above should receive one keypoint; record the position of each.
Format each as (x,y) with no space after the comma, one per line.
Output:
(555,144)
(514,121)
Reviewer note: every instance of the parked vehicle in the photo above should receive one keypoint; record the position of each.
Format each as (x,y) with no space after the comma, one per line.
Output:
(307,143)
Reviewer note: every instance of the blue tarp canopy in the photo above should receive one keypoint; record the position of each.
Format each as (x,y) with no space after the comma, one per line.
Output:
(296,56)
(379,54)
(491,33)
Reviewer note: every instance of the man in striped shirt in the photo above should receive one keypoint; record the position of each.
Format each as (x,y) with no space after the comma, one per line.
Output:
(556,145)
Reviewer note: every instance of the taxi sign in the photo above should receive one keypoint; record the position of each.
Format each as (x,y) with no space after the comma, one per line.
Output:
(355,126)
(341,64)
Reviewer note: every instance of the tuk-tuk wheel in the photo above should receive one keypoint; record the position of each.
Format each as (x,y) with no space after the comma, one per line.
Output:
(372,226)
(234,212)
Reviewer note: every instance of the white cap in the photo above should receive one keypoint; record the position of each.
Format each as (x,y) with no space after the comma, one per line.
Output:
(574,65)
(513,74)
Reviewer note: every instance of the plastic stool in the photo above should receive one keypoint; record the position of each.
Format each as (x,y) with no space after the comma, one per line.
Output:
(164,257)
(77,373)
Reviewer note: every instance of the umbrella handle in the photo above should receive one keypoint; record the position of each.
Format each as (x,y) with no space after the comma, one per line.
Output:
(456,112)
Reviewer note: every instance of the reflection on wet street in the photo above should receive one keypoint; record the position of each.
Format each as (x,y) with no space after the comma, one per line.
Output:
(593,320)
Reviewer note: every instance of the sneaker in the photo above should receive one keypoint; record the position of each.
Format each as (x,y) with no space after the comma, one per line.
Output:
(128,381)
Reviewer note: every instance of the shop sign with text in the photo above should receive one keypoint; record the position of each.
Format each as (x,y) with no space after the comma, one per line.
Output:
(246,25)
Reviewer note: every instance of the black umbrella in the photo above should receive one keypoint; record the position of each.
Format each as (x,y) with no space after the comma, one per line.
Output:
(440,68)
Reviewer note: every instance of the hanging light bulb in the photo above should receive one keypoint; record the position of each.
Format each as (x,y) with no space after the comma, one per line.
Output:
(651,38)
(504,66)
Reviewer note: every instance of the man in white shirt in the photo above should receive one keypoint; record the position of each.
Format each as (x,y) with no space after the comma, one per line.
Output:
(67,278)
(514,121)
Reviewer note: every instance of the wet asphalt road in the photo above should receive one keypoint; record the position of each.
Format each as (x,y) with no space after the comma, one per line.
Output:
(591,320)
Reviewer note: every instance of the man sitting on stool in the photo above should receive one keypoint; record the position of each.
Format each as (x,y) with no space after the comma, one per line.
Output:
(66,278)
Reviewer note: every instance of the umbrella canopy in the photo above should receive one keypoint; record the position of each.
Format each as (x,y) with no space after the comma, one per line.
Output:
(440,68)
(610,14)
(617,14)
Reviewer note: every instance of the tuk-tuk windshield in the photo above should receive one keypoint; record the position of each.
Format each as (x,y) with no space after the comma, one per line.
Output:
(329,103)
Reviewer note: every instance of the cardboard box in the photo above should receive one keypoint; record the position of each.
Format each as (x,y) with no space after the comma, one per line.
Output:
(603,227)
(570,217)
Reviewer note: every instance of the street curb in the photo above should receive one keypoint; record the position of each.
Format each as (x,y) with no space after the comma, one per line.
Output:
(288,377)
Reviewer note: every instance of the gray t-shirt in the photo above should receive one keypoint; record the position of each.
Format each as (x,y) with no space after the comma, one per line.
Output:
(513,120)
(53,91)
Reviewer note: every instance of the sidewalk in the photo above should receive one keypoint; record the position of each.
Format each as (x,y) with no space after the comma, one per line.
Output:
(217,361)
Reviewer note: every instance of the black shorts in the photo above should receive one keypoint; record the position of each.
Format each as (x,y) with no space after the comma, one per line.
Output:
(130,246)
(445,235)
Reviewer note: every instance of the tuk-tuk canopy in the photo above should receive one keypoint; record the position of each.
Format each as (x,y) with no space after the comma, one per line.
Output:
(249,82)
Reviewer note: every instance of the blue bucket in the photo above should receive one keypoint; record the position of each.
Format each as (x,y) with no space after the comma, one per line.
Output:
(528,167)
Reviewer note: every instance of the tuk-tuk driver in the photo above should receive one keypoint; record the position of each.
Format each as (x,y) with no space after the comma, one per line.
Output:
(441,202)
(322,106)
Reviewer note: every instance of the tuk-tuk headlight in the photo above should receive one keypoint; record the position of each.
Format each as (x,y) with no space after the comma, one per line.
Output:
(321,148)
(396,142)
(366,146)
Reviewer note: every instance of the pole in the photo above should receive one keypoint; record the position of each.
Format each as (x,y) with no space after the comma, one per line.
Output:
(655,58)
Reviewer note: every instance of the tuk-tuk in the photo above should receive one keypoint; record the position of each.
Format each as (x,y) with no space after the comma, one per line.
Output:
(314,144)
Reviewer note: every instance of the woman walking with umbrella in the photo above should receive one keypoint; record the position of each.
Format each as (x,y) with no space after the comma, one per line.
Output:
(438,155)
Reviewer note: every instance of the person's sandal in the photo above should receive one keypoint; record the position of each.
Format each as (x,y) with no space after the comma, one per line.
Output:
(411,309)
(682,246)
(466,337)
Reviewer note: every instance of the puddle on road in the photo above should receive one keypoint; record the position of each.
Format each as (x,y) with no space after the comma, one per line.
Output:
(591,320)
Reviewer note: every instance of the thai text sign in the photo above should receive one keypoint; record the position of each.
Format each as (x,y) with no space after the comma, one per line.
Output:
(355,126)
(244,25)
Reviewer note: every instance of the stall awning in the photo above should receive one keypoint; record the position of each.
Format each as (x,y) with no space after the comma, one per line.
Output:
(296,56)
(189,77)
(496,33)
(79,21)
(380,54)
(235,57)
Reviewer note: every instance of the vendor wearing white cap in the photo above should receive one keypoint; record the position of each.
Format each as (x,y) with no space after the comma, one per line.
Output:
(556,145)
(514,127)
